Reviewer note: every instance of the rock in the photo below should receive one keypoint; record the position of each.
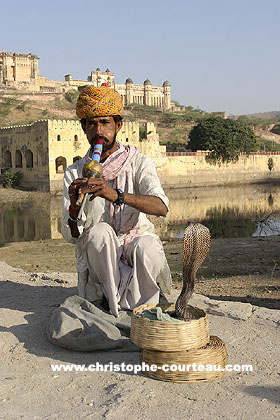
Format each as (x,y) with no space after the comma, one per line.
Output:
(234,310)
(266,316)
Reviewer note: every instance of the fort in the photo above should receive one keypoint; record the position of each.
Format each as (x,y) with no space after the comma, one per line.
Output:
(21,71)
(41,151)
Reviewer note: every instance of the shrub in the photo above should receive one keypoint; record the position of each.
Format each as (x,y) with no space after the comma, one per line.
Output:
(72,96)
(12,179)
(270,164)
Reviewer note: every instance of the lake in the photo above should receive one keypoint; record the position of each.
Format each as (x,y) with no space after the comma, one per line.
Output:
(235,211)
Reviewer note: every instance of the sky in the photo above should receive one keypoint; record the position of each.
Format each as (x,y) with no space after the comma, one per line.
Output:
(218,55)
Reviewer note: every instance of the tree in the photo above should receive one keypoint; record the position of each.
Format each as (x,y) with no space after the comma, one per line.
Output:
(225,139)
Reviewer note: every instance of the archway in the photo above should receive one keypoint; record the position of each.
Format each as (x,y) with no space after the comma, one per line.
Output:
(18,159)
(29,158)
(60,165)
(8,159)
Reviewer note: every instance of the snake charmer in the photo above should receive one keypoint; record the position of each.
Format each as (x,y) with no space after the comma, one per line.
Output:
(119,258)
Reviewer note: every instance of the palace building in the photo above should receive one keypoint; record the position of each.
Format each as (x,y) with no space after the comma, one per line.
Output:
(21,71)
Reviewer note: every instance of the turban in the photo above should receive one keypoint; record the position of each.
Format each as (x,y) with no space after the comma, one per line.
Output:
(98,102)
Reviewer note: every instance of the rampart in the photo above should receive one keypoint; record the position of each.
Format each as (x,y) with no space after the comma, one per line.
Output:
(25,149)
(41,152)
(182,170)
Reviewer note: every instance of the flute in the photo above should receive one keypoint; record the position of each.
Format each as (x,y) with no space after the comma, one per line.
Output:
(91,170)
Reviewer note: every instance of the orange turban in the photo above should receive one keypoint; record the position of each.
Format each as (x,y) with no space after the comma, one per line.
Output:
(98,102)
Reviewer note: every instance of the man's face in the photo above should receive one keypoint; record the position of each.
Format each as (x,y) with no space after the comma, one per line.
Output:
(103,128)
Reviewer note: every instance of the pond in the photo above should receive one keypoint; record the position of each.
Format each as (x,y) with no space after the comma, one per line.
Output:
(236,211)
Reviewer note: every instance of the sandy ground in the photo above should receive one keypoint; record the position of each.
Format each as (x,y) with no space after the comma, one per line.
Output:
(31,390)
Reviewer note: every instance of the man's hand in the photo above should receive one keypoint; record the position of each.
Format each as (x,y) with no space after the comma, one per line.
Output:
(73,192)
(97,187)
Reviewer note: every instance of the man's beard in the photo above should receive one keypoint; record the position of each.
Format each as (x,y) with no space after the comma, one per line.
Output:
(106,141)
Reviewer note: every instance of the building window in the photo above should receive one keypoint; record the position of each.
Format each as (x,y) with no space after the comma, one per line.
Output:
(18,159)
(60,165)
(58,137)
(8,159)
(29,159)
(76,158)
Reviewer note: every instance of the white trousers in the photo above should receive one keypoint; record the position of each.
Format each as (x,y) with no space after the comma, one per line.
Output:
(125,283)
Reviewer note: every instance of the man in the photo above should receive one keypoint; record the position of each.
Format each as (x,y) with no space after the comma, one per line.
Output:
(118,254)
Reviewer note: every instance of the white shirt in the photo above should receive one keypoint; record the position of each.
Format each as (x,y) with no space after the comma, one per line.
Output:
(145,182)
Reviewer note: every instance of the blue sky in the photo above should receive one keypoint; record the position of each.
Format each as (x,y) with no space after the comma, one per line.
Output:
(218,55)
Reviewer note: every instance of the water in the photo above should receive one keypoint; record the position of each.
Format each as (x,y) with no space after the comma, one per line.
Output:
(240,211)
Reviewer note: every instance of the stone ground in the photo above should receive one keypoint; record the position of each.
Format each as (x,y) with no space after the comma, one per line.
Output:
(30,390)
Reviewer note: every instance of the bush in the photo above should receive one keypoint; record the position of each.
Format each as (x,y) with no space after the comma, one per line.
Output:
(270,164)
(12,179)
(72,96)
(265,145)
(276,129)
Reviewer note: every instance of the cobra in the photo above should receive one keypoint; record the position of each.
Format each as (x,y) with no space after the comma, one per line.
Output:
(196,246)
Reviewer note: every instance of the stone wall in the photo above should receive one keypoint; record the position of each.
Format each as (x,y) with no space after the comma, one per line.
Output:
(192,169)
(25,149)
(43,150)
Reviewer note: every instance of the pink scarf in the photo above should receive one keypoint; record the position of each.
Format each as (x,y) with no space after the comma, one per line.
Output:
(117,168)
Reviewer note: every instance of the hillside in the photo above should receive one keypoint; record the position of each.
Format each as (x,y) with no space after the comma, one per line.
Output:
(273,115)
(19,108)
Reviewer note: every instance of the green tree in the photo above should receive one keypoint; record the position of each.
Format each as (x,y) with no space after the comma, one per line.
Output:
(225,139)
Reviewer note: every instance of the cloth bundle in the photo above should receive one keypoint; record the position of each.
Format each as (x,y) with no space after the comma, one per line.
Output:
(80,325)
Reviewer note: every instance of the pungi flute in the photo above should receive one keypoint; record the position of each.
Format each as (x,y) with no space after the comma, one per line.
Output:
(91,170)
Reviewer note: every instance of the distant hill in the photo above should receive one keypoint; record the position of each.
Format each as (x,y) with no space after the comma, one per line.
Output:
(266,115)
(272,115)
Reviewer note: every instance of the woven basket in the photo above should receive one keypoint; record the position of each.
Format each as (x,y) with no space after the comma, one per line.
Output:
(169,336)
(213,353)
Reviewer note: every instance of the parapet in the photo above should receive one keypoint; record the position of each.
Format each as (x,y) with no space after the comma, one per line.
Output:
(25,127)
(69,124)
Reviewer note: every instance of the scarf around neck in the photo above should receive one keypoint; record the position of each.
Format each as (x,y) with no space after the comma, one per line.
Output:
(118,170)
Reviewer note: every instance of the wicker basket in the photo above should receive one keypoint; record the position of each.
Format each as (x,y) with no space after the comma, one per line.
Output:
(213,353)
(169,336)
